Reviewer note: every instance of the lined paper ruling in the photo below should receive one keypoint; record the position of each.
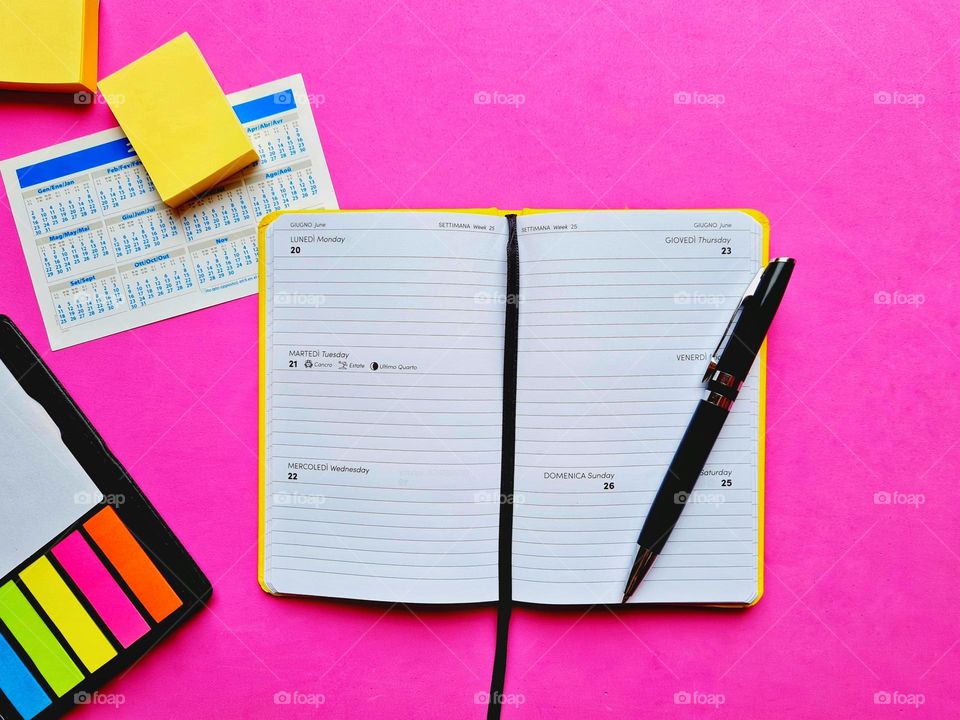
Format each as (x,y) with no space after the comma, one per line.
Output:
(619,314)
(106,254)
(384,405)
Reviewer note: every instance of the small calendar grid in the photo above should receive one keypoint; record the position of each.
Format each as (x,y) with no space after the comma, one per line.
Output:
(106,244)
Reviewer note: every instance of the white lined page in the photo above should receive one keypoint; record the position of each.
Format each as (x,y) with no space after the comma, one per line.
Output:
(619,312)
(384,484)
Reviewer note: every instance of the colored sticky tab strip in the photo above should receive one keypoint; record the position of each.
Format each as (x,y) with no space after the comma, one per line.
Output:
(133,564)
(37,641)
(66,612)
(18,684)
(101,590)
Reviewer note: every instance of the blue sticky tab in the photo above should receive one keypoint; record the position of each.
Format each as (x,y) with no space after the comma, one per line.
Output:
(16,682)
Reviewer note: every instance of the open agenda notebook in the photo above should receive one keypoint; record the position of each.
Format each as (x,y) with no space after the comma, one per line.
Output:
(390,342)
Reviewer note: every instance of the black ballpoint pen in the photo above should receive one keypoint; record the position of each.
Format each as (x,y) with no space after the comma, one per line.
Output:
(728,368)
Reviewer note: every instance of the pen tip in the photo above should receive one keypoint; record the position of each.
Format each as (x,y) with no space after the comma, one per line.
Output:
(641,565)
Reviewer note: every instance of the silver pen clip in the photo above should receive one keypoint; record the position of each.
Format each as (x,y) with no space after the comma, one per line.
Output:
(747,294)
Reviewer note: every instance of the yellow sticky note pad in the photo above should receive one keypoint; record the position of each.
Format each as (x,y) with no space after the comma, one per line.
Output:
(48,45)
(178,120)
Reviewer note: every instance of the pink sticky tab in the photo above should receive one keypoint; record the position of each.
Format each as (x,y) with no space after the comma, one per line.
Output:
(100,589)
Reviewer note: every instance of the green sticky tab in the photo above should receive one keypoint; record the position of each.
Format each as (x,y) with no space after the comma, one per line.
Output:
(37,641)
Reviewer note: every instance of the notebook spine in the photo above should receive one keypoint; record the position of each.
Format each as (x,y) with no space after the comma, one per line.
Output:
(507,466)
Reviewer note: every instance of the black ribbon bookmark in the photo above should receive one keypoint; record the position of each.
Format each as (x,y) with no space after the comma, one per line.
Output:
(507,460)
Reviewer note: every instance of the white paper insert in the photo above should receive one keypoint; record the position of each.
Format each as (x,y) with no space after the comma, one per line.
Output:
(43,487)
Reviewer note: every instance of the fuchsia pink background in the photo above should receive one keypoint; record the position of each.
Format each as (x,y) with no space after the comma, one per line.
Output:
(861,596)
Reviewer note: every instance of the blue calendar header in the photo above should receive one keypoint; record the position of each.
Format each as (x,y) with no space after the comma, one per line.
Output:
(109,152)
(265,107)
(74,162)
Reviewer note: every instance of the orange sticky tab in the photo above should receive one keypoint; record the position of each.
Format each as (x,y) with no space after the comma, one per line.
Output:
(134,565)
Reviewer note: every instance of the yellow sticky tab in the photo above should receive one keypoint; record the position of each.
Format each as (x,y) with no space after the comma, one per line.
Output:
(66,612)
(48,45)
(178,120)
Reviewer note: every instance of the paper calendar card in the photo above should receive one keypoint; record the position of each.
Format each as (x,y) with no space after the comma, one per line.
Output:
(105,253)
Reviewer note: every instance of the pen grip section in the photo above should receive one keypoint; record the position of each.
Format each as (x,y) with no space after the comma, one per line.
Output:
(681,476)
